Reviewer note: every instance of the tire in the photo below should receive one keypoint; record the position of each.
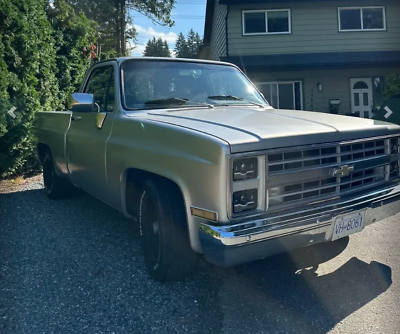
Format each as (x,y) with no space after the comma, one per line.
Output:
(164,234)
(54,186)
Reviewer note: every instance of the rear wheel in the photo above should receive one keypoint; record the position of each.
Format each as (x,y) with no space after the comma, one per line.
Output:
(165,238)
(55,186)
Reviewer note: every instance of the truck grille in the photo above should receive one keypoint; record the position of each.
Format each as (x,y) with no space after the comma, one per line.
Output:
(312,174)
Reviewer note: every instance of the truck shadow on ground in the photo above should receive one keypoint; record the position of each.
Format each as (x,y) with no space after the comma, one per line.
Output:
(284,292)
(81,261)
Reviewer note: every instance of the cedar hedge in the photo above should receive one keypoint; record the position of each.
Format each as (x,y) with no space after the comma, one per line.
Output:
(42,60)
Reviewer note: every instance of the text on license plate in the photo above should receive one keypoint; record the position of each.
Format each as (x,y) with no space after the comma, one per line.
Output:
(348,224)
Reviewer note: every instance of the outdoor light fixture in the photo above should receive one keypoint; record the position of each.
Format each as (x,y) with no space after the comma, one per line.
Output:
(319,85)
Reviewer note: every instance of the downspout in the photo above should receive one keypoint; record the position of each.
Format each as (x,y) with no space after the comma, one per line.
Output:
(226,31)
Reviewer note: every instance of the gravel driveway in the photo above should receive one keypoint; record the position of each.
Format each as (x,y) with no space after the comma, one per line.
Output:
(75,266)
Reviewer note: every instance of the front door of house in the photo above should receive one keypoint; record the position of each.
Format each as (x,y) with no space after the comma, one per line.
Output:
(361,96)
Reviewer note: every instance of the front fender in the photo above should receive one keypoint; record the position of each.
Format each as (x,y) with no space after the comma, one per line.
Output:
(195,161)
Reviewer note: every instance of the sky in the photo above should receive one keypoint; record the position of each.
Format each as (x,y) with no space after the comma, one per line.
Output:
(187,14)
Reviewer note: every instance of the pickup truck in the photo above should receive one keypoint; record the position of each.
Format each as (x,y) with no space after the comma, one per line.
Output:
(193,151)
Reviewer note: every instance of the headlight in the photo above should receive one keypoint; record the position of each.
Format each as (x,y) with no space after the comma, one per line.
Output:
(244,169)
(245,200)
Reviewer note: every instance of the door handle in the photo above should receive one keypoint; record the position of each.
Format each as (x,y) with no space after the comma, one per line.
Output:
(76,118)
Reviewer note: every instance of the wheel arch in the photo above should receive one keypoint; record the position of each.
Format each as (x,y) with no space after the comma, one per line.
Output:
(41,150)
(133,181)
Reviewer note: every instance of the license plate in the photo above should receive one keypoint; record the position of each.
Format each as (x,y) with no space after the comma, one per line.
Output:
(348,224)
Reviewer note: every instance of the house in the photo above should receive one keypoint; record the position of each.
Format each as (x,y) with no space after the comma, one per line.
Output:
(321,55)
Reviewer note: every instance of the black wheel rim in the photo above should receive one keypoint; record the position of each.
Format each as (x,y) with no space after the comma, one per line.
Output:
(153,232)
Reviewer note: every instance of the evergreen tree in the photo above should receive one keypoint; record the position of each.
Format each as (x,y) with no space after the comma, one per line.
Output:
(160,48)
(198,43)
(190,47)
(181,48)
(157,48)
(191,42)
(149,50)
(167,51)
(41,61)
(115,23)
(74,35)
(194,43)
(27,77)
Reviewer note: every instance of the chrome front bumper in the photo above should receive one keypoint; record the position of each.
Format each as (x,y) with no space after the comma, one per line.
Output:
(228,245)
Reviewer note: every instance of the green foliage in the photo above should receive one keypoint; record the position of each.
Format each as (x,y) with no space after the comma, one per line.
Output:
(28,64)
(190,47)
(39,65)
(181,47)
(99,87)
(166,49)
(157,48)
(115,23)
(72,33)
(105,13)
(392,85)
(194,43)
(159,11)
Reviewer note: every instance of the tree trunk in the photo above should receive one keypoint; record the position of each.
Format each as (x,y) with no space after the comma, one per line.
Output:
(117,28)
(122,28)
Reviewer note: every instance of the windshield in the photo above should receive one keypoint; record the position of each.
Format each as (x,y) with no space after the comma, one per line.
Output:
(155,84)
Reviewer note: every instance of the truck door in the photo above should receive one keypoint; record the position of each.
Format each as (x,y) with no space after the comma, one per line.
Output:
(88,133)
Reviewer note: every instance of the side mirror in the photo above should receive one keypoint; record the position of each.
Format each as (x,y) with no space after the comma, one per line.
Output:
(81,102)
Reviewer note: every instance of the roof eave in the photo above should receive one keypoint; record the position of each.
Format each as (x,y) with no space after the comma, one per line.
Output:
(317,60)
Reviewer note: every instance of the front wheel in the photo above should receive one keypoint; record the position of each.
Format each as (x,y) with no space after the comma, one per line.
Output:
(163,227)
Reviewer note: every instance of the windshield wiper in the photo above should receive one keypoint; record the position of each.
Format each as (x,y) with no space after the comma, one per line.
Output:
(225,97)
(233,98)
(170,100)
(174,100)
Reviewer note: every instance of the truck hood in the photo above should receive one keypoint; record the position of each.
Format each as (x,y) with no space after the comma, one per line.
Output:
(252,129)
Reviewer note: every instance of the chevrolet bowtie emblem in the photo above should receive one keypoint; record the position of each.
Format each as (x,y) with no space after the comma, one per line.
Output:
(343,171)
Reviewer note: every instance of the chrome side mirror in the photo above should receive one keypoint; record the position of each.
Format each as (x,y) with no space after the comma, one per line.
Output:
(82,102)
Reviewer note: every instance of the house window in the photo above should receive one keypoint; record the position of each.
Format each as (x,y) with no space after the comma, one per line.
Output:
(283,95)
(362,18)
(266,22)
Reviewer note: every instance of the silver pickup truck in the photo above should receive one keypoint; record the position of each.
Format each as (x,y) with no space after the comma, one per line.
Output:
(193,151)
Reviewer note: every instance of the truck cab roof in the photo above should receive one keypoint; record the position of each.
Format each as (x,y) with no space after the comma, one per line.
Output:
(120,60)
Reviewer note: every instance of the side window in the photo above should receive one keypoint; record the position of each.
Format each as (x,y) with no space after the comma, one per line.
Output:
(101,85)
(110,97)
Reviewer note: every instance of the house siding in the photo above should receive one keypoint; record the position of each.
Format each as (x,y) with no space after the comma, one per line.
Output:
(314,29)
(335,84)
(218,36)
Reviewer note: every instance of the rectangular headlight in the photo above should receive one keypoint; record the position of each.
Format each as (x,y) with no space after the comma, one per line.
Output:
(245,200)
(244,169)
